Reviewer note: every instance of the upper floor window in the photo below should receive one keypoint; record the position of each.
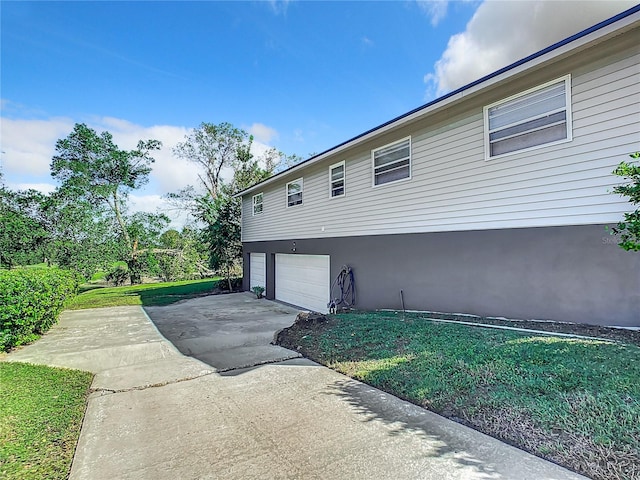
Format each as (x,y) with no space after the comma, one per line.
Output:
(336,180)
(294,192)
(540,116)
(392,162)
(257,204)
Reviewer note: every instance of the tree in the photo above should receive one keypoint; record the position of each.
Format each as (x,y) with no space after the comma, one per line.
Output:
(23,235)
(223,237)
(92,169)
(81,236)
(144,231)
(181,255)
(629,229)
(215,148)
(288,161)
(212,148)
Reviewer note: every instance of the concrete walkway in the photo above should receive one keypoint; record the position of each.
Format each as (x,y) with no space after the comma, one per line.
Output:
(157,414)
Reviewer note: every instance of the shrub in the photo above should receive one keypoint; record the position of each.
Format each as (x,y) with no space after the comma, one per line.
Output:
(117,275)
(30,302)
(236,284)
(258,290)
(629,228)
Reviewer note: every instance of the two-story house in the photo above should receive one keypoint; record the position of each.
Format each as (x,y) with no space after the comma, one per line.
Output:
(490,200)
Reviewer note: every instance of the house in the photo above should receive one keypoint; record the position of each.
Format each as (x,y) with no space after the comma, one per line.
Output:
(491,200)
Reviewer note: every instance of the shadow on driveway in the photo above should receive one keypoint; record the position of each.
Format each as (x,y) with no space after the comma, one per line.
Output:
(228,332)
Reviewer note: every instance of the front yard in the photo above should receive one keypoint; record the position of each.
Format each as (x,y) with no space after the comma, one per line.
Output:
(573,401)
(41,411)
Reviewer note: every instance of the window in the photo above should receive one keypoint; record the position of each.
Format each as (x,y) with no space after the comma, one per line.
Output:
(336,180)
(294,193)
(392,162)
(257,204)
(539,116)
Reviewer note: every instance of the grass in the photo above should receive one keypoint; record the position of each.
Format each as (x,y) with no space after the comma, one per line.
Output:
(41,410)
(575,402)
(147,294)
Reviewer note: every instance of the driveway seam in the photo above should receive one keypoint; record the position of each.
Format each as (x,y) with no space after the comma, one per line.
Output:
(108,391)
(258,364)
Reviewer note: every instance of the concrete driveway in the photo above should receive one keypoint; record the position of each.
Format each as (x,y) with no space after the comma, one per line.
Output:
(157,414)
(226,331)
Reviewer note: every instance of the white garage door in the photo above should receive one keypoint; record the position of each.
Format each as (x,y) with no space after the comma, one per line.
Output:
(303,280)
(258,270)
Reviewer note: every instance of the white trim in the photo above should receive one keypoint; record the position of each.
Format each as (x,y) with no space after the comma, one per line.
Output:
(567,109)
(373,162)
(299,181)
(254,204)
(344,180)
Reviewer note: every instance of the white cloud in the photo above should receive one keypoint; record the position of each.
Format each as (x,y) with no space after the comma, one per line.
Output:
(436,10)
(262,133)
(279,6)
(502,32)
(169,172)
(28,145)
(148,203)
(41,187)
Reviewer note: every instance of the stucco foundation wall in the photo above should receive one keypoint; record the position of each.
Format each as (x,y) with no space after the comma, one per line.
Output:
(572,273)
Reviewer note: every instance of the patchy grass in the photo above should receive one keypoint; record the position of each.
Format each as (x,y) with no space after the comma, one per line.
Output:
(573,401)
(148,294)
(41,411)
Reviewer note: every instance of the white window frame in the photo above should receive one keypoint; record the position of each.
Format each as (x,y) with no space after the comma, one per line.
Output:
(567,108)
(301,182)
(373,162)
(344,180)
(255,203)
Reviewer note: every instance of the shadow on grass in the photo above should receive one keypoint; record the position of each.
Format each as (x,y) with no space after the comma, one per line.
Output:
(161,296)
(566,388)
(151,294)
(445,440)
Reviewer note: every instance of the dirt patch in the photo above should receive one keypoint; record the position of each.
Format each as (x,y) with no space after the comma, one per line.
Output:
(609,333)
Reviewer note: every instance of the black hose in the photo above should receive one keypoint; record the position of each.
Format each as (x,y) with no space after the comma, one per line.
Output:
(347,290)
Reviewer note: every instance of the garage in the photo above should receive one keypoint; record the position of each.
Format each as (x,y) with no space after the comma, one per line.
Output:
(303,280)
(258,270)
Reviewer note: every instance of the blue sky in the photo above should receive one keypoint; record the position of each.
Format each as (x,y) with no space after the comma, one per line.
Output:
(301,76)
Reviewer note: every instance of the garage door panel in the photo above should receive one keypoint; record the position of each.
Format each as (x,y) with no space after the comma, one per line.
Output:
(303,280)
(257,270)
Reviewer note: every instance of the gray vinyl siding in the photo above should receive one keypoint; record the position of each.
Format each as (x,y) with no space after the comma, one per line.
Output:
(453,187)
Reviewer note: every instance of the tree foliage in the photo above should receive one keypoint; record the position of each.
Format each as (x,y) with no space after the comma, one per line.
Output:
(629,228)
(93,170)
(80,236)
(223,237)
(212,148)
(218,149)
(23,236)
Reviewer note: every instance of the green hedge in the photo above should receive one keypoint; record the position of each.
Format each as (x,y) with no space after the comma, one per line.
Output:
(30,302)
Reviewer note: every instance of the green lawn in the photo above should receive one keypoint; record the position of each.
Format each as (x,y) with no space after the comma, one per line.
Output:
(147,294)
(41,411)
(576,402)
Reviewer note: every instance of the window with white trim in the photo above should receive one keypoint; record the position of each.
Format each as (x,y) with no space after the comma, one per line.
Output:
(540,116)
(337,180)
(257,204)
(392,162)
(294,192)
